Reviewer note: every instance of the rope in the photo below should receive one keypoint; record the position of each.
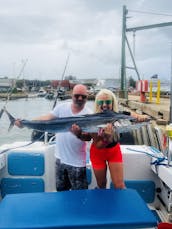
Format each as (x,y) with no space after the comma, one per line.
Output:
(17,147)
(154,150)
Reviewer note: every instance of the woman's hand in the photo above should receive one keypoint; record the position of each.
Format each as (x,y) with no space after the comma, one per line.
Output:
(108,129)
(142,118)
(107,133)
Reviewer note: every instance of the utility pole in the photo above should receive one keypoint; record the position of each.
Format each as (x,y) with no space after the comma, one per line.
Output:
(124,91)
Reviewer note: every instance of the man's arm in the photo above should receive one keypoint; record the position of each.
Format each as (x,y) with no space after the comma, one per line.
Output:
(46,117)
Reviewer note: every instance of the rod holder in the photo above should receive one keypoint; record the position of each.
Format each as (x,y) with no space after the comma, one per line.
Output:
(169,135)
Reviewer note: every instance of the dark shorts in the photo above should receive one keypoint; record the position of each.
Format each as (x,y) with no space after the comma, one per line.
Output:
(70,177)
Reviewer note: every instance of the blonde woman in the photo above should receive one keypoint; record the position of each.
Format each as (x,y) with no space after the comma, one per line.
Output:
(108,94)
(105,149)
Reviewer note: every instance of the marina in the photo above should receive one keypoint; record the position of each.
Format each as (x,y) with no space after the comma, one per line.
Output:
(15,107)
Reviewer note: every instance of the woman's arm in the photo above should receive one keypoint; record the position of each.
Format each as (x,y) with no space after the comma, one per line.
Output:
(139,117)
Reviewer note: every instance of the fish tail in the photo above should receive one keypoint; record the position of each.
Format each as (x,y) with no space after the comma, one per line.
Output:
(1,112)
(11,118)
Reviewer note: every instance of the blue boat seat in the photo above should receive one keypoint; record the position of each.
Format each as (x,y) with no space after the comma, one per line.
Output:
(29,166)
(21,185)
(146,188)
(25,164)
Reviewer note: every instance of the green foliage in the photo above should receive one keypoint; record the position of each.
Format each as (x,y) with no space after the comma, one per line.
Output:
(14,91)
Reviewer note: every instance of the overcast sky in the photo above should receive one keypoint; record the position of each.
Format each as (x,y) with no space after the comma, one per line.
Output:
(42,33)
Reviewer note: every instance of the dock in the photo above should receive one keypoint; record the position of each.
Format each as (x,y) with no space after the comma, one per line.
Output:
(158,111)
(5,96)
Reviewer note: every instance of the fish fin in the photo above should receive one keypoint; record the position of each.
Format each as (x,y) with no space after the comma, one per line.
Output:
(11,118)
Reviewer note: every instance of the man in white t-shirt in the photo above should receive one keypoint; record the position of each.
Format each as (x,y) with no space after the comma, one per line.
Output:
(70,151)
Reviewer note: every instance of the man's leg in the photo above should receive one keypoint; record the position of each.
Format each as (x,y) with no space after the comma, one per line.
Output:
(77,177)
(62,179)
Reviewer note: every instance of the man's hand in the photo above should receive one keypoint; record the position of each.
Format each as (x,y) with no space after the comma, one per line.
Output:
(76,130)
(18,123)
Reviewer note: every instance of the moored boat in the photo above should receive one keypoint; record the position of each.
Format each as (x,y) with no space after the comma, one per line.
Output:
(41,93)
(50,95)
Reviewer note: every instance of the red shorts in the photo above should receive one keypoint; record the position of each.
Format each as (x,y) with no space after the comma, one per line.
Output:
(99,157)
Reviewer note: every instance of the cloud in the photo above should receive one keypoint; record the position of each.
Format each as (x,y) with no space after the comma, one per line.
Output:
(46,31)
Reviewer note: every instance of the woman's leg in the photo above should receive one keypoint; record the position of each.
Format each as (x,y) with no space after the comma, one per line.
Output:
(99,165)
(100,175)
(116,172)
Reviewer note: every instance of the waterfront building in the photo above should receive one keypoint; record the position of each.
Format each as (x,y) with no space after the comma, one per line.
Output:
(6,83)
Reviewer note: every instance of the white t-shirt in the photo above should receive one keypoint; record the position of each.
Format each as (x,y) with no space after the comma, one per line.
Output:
(69,149)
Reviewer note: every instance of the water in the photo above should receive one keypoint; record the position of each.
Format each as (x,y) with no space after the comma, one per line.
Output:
(25,109)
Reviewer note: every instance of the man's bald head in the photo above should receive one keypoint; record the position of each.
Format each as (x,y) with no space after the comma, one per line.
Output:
(80,89)
(79,95)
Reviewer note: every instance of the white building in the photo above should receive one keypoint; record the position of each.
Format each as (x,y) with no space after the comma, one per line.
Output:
(6,83)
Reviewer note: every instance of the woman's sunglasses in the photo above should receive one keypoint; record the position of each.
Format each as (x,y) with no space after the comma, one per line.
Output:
(101,102)
(78,95)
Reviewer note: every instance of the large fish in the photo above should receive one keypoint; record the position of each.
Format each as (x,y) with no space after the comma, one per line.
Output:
(89,123)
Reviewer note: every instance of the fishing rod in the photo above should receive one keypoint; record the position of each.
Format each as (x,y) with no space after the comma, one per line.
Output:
(36,134)
(10,91)
(62,78)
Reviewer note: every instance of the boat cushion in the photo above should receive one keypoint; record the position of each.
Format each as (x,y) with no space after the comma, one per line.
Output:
(21,185)
(26,164)
(80,209)
(146,188)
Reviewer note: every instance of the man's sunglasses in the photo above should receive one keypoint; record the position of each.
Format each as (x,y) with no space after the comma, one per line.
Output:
(78,95)
(101,102)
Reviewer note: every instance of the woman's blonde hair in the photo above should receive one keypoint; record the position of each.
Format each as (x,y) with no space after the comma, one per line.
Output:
(109,93)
